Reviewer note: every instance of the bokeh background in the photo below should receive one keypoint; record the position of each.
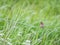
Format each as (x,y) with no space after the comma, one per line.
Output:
(20,22)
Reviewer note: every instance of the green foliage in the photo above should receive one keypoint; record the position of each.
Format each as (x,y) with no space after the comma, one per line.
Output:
(20,22)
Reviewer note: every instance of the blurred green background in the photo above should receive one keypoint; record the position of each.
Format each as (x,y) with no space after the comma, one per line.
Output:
(20,22)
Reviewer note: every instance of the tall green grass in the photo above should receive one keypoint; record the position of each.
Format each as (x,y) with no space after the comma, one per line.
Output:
(20,22)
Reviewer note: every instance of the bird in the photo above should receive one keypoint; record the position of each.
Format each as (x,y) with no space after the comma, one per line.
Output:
(41,24)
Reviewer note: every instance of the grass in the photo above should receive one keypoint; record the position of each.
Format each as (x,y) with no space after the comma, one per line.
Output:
(20,22)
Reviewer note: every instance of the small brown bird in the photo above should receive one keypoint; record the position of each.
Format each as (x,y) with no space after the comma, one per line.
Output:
(41,24)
